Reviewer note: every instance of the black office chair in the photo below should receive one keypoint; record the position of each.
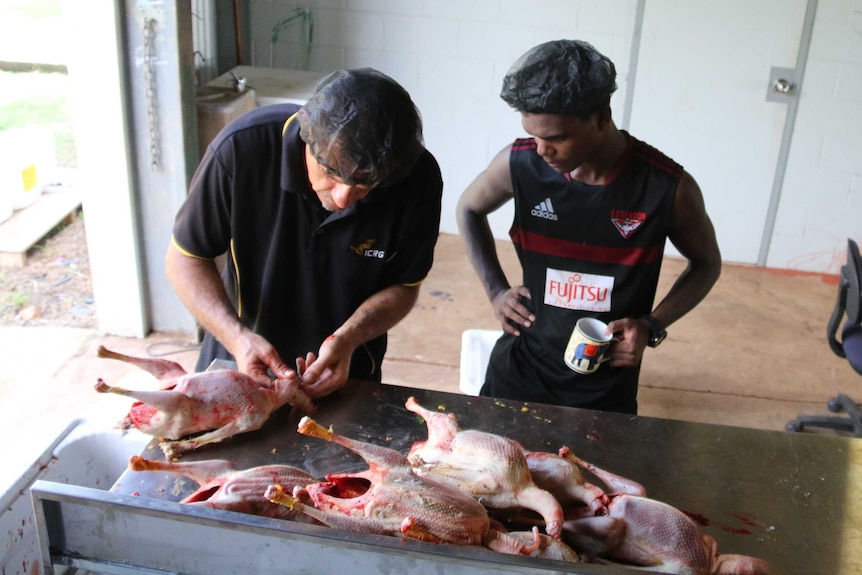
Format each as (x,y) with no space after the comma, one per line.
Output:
(850,347)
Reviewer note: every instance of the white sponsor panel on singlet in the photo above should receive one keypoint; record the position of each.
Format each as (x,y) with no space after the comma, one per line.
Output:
(573,290)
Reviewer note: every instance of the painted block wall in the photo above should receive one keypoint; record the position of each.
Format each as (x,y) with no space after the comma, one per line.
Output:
(821,199)
(451,55)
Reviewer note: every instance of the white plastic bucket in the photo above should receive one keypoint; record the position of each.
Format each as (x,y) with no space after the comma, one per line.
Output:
(476,346)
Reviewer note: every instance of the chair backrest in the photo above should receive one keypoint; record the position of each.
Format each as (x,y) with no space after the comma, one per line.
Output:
(849,304)
(853,271)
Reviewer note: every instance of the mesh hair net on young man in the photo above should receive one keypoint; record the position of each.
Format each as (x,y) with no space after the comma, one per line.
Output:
(559,77)
(362,127)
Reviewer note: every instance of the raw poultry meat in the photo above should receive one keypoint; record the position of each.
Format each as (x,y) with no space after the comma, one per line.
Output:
(549,548)
(388,498)
(632,528)
(490,467)
(224,487)
(221,402)
(564,480)
(560,474)
(615,483)
(654,536)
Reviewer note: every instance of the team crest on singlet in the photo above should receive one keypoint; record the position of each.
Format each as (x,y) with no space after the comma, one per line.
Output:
(627,222)
(573,290)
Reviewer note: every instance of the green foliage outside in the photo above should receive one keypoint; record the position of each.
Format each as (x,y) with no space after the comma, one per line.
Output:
(35,98)
(39,99)
(16,299)
(35,9)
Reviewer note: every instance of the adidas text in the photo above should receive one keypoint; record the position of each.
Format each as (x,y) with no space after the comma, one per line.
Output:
(543,214)
(544,210)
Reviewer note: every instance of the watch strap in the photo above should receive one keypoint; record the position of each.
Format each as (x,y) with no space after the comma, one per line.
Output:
(657,332)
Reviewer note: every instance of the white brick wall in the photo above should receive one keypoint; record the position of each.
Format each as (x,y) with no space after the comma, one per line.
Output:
(451,56)
(821,200)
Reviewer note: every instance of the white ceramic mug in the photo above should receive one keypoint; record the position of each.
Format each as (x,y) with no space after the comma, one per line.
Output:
(588,345)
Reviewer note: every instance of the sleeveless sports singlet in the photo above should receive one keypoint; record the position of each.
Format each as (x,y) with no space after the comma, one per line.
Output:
(585,251)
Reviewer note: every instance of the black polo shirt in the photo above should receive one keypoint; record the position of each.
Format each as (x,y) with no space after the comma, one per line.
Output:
(296,272)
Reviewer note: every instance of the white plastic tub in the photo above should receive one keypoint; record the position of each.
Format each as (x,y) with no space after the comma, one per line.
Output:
(476,346)
(84,454)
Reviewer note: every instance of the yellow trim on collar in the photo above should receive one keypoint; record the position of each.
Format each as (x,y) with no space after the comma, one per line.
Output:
(287,123)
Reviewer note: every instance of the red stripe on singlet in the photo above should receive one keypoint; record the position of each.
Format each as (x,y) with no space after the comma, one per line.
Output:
(649,154)
(524,144)
(553,247)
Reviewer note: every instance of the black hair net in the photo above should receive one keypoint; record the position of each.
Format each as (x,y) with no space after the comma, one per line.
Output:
(559,77)
(362,127)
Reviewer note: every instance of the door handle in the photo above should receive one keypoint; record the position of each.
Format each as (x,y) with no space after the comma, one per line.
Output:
(783,86)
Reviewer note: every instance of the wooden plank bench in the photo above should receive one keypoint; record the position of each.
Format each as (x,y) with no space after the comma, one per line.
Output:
(27,226)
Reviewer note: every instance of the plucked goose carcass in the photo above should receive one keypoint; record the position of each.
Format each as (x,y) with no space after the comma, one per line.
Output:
(388,498)
(654,536)
(490,467)
(221,403)
(560,474)
(222,486)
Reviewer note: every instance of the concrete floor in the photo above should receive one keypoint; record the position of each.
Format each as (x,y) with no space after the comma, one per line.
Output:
(753,354)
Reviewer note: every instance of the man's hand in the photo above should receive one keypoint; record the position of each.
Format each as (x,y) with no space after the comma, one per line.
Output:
(509,310)
(302,364)
(630,341)
(199,286)
(328,371)
(257,357)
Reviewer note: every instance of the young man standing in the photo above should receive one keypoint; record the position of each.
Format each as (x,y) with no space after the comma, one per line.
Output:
(593,208)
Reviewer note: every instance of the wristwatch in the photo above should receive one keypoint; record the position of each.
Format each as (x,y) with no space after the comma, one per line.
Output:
(657,333)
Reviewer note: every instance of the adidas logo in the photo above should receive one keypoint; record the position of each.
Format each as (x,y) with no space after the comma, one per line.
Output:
(544,210)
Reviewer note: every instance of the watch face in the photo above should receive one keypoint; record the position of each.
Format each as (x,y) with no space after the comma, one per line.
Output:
(657,338)
(657,332)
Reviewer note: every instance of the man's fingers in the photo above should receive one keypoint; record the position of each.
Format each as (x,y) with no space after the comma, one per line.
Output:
(319,387)
(260,375)
(274,363)
(300,367)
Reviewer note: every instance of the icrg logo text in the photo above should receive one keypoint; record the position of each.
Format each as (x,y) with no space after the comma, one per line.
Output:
(365,250)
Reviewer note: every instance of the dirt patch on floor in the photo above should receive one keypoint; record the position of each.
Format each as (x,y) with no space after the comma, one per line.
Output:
(54,288)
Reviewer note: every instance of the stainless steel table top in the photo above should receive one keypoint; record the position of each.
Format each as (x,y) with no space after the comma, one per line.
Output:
(793,499)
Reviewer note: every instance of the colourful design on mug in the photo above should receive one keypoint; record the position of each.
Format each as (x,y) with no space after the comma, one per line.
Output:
(587,345)
(590,353)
